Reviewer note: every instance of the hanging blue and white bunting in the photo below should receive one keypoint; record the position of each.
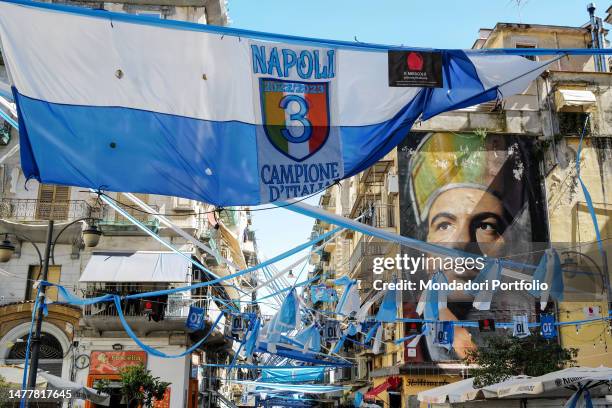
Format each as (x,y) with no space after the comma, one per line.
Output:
(444,334)
(549,271)
(388,308)
(331,330)
(323,293)
(548,328)
(251,340)
(520,327)
(432,301)
(292,115)
(195,318)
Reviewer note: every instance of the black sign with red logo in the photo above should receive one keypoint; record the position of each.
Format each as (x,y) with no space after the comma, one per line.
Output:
(486,325)
(415,69)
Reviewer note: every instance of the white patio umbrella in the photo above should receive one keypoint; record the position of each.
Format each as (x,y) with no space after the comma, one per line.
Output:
(46,381)
(560,383)
(461,391)
(14,377)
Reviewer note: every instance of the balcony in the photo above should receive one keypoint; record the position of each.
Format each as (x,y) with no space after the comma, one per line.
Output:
(34,210)
(168,312)
(362,257)
(113,223)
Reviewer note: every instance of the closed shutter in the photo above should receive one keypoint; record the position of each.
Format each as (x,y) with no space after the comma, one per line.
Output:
(53,202)
(53,276)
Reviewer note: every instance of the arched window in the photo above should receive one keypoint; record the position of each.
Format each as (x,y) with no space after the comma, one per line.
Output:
(51,353)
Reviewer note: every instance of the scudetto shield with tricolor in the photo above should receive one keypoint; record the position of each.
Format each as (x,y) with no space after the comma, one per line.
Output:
(295,116)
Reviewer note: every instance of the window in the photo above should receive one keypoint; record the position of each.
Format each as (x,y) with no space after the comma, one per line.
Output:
(525,45)
(53,202)
(53,276)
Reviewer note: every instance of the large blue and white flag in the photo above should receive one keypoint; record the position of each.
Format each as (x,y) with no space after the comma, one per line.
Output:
(126,103)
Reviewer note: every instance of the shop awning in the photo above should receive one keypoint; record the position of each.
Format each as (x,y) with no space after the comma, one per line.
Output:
(391,382)
(139,266)
(574,97)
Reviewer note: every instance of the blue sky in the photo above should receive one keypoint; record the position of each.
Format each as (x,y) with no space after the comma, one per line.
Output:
(431,23)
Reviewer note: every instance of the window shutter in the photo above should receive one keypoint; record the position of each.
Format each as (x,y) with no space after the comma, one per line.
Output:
(53,202)
(61,203)
(45,201)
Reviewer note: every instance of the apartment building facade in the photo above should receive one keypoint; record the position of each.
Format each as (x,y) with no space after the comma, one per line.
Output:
(430,187)
(87,344)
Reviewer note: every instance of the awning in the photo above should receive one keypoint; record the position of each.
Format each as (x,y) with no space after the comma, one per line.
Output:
(139,266)
(293,375)
(234,245)
(573,97)
(392,382)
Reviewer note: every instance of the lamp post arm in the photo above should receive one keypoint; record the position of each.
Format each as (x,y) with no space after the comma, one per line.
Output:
(60,233)
(25,238)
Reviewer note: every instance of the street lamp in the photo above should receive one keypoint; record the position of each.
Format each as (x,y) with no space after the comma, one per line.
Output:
(90,236)
(6,250)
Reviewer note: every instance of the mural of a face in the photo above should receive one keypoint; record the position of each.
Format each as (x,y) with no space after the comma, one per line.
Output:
(478,194)
(470,220)
(465,191)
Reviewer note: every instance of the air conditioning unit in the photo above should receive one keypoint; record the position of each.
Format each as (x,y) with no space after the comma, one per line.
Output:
(392,183)
(183,204)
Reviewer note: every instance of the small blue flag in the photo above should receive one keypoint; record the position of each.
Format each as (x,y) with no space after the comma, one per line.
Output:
(444,334)
(195,318)
(388,308)
(549,330)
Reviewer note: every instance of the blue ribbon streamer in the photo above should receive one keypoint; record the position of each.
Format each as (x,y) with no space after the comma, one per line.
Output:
(273,260)
(24,382)
(152,350)
(585,190)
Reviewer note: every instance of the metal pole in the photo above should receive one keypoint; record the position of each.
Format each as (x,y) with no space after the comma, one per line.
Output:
(35,342)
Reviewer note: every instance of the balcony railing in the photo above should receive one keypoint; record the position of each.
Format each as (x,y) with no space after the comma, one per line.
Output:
(363,254)
(24,210)
(378,215)
(172,306)
(113,222)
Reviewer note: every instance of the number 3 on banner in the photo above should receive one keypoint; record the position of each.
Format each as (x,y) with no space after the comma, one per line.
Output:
(299,116)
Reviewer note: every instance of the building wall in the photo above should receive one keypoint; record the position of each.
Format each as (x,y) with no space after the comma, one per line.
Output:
(175,370)
(571,226)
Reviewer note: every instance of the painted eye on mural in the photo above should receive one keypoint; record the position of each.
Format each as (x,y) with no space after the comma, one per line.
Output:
(487,226)
(443,226)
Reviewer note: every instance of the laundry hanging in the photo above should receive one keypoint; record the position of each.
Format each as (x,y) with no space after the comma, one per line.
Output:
(222,116)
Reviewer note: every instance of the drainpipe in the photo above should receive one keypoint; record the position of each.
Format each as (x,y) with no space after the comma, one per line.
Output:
(594,36)
(602,43)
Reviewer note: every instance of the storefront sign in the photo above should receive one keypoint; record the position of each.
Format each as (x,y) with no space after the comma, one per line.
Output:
(111,362)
